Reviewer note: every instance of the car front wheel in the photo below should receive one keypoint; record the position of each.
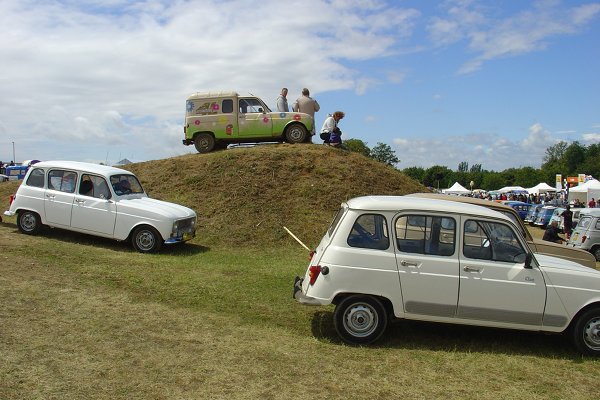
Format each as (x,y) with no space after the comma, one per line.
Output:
(296,133)
(360,319)
(29,222)
(586,332)
(146,239)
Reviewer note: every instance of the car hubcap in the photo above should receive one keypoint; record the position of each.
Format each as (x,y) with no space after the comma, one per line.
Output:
(145,240)
(296,134)
(360,320)
(28,222)
(591,333)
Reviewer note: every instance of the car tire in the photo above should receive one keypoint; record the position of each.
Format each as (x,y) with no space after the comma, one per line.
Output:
(296,133)
(360,319)
(586,332)
(146,239)
(204,143)
(29,222)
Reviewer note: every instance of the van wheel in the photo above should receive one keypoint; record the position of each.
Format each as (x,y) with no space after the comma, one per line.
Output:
(146,239)
(296,133)
(360,319)
(204,143)
(29,222)
(586,332)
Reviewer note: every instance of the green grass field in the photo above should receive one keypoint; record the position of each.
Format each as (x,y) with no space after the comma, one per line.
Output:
(87,318)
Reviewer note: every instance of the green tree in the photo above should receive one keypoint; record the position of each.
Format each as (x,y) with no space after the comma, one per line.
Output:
(358,146)
(417,173)
(476,168)
(573,157)
(463,166)
(438,177)
(383,153)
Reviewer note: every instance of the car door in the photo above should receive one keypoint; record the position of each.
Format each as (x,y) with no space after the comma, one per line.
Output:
(252,120)
(494,283)
(428,264)
(59,196)
(93,209)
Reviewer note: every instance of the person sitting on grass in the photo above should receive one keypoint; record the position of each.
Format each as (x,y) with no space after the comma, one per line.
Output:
(551,234)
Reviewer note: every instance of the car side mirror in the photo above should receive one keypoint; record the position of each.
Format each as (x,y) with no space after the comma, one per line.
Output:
(528,259)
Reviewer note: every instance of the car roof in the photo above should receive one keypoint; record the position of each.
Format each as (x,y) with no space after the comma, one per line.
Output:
(206,95)
(594,212)
(82,166)
(402,203)
(464,199)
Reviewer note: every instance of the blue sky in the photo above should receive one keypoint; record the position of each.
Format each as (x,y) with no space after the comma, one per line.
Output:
(487,82)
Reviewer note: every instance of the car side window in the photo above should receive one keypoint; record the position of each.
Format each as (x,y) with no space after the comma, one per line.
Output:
(94,186)
(369,232)
(36,178)
(227,106)
(425,234)
(492,241)
(63,181)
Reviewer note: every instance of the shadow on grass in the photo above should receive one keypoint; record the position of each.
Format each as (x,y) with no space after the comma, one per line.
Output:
(418,335)
(178,249)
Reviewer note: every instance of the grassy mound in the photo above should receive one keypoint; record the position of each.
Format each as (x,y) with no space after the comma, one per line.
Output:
(245,196)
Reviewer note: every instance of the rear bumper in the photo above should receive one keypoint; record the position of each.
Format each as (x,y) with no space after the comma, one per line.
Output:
(301,297)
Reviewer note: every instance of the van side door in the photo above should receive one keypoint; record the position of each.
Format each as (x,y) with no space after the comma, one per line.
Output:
(428,264)
(494,283)
(253,120)
(59,196)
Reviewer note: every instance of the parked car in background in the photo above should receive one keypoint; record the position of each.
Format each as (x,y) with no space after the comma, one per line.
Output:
(520,207)
(444,261)
(544,215)
(586,235)
(537,245)
(101,201)
(3,178)
(532,213)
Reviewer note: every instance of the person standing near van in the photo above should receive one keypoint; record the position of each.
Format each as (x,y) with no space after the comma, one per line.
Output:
(568,221)
(282,103)
(307,105)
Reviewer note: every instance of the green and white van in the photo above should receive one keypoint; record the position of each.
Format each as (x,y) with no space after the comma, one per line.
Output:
(215,119)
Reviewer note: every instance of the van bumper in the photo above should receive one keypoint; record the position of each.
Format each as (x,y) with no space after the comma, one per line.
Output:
(187,142)
(301,297)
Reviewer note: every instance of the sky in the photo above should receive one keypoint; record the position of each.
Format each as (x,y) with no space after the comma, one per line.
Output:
(487,82)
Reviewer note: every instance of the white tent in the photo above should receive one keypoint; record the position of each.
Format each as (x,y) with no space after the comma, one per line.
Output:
(542,187)
(457,188)
(585,192)
(507,189)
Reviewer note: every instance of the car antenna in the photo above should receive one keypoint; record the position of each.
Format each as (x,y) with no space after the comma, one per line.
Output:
(296,237)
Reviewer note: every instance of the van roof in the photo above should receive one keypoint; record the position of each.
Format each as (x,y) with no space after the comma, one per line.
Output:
(208,95)
(82,166)
(401,203)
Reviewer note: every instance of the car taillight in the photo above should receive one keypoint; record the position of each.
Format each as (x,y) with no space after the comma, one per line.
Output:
(583,239)
(11,199)
(311,254)
(313,273)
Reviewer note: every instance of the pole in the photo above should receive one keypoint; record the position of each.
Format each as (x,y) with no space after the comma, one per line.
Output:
(14,159)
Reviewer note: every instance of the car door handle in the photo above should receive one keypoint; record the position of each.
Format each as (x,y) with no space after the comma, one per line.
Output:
(471,269)
(80,201)
(405,263)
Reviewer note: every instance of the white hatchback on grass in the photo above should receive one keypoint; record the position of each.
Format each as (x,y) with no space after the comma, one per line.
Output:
(98,200)
(443,261)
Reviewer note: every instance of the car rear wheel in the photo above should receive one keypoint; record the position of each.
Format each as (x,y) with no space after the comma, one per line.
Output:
(29,222)
(586,332)
(204,143)
(296,133)
(360,319)
(146,239)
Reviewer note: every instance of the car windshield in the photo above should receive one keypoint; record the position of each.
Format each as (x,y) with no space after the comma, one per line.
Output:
(124,184)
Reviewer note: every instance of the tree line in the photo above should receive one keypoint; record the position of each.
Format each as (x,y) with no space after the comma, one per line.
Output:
(562,158)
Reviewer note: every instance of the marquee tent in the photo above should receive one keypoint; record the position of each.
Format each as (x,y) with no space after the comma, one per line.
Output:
(542,187)
(457,188)
(585,192)
(517,189)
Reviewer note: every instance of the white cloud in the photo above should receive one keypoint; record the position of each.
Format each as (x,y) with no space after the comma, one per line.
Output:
(591,137)
(87,72)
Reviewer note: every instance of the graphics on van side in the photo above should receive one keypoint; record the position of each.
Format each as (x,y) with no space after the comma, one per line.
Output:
(203,109)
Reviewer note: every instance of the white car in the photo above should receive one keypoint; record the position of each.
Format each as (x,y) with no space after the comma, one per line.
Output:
(443,261)
(98,200)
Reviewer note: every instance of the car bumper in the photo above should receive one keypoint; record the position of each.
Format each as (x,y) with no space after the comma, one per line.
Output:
(179,239)
(301,297)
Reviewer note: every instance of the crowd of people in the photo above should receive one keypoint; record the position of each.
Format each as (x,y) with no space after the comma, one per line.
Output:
(330,133)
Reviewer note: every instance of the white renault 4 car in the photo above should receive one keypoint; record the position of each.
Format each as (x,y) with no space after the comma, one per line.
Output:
(98,200)
(442,261)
